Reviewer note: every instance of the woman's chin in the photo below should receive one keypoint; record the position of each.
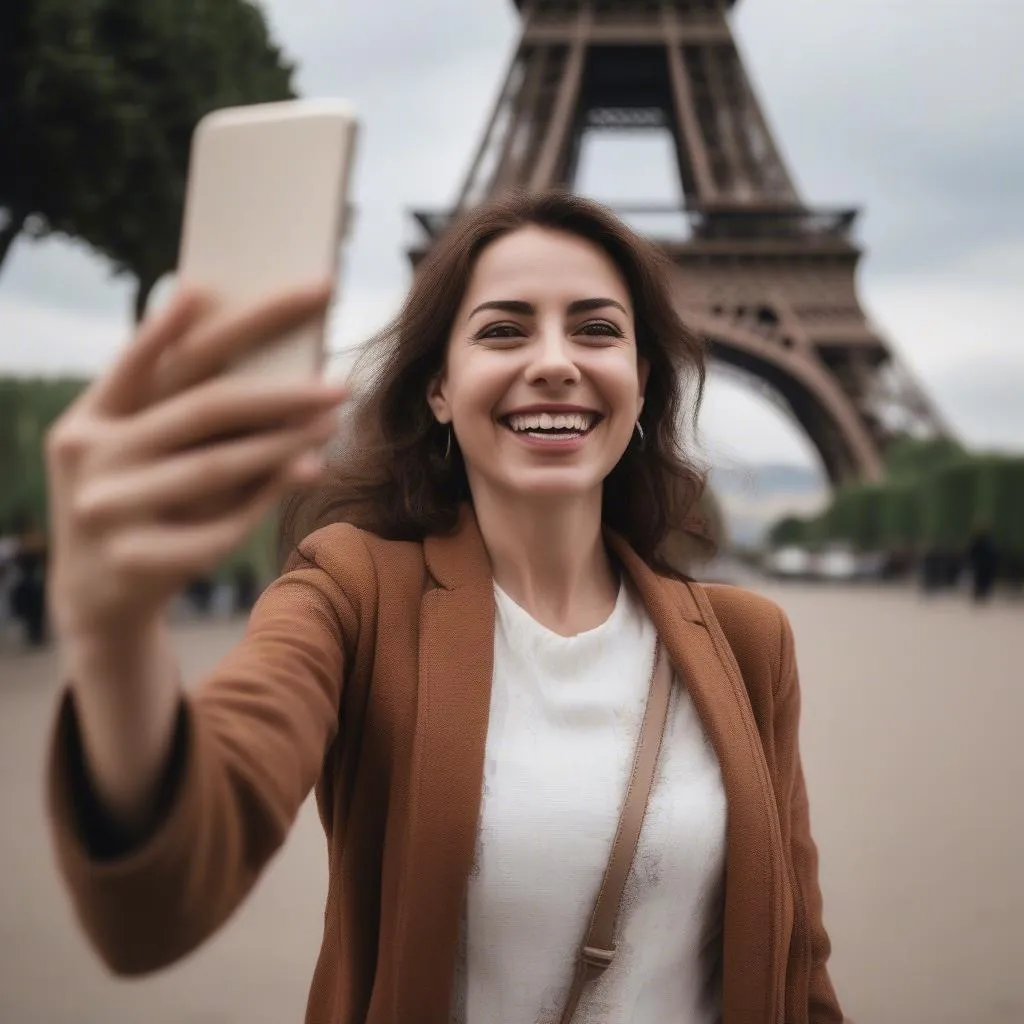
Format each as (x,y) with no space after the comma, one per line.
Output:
(552,484)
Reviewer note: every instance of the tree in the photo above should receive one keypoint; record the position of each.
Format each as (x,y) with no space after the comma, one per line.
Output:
(789,531)
(101,104)
(912,458)
(978,491)
(901,516)
(938,500)
(182,59)
(56,109)
(27,408)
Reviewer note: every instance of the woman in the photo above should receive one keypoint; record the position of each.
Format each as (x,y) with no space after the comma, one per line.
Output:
(457,654)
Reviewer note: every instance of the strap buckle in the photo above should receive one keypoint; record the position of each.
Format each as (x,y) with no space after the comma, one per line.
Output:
(599,958)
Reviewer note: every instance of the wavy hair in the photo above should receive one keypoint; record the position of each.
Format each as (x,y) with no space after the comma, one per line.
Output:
(390,475)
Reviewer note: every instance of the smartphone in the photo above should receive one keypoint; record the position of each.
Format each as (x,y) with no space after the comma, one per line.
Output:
(266,209)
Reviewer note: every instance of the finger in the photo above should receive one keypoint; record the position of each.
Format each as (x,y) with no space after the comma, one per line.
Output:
(306,468)
(179,552)
(222,408)
(124,387)
(215,344)
(196,477)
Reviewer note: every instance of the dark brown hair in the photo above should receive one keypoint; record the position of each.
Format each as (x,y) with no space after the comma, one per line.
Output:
(390,475)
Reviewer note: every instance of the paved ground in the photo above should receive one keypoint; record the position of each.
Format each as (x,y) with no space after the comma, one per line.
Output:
(914,749)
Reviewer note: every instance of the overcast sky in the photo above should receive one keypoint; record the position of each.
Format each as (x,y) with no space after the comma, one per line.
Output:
(913,109)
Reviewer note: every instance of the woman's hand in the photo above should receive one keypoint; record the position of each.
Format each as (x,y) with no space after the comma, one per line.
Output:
(162,466)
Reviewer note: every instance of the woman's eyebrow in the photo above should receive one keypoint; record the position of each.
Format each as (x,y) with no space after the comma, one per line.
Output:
(506,306)
(528,309)
(589,305)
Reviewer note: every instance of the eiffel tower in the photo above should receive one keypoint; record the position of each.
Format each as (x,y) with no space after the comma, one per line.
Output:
(767,279)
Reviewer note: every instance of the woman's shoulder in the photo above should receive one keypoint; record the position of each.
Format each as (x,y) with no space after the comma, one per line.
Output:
(356,557)
(757,630)
(745,609)
(755,626)
(733,606)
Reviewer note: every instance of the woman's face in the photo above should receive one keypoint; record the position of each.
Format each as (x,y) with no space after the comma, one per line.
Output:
(542,383)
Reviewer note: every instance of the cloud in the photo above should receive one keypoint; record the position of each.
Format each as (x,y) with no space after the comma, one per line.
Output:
(52,340)
(936,318)
(985,396)
(891,106)
(63,273)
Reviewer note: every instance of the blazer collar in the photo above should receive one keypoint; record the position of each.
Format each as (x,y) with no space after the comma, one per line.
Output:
(453,705)
(459,559)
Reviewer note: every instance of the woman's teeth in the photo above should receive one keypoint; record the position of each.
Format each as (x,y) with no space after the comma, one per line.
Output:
(573,423)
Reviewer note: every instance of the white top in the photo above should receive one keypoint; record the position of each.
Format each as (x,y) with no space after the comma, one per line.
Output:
(564,720)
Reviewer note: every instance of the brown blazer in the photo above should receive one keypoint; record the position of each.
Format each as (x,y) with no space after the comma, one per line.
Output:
(365,671)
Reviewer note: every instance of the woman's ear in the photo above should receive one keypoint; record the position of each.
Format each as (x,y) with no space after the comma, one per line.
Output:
(643,372)
(437,399)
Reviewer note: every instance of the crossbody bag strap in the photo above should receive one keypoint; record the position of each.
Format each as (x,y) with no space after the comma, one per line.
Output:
(598,948)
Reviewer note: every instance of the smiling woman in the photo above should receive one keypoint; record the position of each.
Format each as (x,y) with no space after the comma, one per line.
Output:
(544,304)
(544,398)
(559,781)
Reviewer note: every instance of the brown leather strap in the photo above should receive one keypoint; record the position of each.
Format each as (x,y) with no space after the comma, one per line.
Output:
(598,948)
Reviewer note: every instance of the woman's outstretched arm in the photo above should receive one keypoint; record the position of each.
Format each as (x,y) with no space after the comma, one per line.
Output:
(155,473)
(246,748)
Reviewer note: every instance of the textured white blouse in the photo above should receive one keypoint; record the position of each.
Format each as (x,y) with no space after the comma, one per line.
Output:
(564,720)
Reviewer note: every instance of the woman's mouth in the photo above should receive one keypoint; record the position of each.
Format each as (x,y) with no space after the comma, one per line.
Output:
(551,426)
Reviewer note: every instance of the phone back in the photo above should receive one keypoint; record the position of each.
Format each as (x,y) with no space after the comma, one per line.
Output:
(265,211)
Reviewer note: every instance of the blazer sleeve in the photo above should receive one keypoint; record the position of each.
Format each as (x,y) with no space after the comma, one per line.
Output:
(249,746)
(811,998)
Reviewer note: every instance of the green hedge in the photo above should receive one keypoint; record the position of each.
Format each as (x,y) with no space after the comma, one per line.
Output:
(972,493)
(258,551)
(910,459)
(1006,511)
(941,506)
(854,517)
(789,531)
(901,516)
(27,408)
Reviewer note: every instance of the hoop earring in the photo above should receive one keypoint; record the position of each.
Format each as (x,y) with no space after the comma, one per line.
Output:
(640,432)
(448,446)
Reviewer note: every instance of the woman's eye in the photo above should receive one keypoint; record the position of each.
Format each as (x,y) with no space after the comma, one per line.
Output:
(602,328)
(501,331)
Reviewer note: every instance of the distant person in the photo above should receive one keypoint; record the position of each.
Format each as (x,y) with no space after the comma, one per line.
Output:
(941,569)
(199,594)
(983,559)
(931,570)
(953,568)
(245,587)
(8,573)
(28,596)
(458,655)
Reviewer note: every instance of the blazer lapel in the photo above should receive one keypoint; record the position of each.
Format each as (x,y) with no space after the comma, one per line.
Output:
(755,927)
(456,653)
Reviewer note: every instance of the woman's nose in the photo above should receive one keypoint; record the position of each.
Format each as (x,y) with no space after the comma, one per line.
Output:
(553,361)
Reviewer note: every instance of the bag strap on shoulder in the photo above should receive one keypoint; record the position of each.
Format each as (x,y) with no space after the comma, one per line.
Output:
(598,949)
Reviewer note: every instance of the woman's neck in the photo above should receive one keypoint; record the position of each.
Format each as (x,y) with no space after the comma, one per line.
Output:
(550,558)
